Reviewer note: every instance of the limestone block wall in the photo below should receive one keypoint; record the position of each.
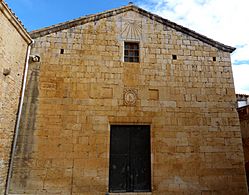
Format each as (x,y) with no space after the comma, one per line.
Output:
(77,91)
(13,48)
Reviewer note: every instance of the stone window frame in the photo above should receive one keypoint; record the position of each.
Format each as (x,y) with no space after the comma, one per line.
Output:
(132,52)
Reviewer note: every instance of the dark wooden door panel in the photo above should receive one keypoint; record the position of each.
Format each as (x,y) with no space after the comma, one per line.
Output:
(140,140)
(140,158)
(142,174)
(120,140)
(118,173)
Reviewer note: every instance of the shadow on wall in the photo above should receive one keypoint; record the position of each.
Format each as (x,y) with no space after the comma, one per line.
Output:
(26,133)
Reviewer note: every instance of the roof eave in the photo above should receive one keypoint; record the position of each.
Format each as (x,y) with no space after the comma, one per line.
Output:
(82,20)
(187,31)
(15,22)
(79,21)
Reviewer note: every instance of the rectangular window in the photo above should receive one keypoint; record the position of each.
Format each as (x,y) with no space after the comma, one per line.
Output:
(130,166)
(131,52)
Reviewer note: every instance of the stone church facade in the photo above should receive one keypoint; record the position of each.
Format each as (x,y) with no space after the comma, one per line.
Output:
(125,101)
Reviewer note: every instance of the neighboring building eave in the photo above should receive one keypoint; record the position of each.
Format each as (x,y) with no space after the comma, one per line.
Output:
(242,95)
(243,108)
(15,22)
(83,20)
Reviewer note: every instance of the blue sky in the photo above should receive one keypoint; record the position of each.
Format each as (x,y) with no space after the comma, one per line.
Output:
(226,24)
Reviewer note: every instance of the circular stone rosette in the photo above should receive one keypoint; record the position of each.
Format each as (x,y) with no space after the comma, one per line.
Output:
(130,97)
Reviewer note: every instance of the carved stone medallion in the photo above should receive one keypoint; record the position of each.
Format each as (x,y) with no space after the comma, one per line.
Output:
(130,97)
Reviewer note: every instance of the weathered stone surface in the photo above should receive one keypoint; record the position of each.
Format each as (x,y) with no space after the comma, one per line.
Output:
(73,98)
(13,46)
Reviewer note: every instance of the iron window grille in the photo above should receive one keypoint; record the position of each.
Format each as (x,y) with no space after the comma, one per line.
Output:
(131,52)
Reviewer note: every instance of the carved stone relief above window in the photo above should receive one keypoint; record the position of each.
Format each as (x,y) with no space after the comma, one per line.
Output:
(131,29)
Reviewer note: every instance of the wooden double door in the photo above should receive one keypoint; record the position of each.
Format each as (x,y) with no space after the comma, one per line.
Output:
(130,163)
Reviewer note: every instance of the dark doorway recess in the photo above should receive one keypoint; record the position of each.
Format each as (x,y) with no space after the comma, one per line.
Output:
(130,165)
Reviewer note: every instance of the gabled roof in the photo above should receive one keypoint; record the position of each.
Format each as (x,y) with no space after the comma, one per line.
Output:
(130,7)
(7,12)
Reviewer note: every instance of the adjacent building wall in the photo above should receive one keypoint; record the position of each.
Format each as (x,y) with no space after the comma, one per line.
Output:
(244,121)
(244,125)
(14,41)
(78,90)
